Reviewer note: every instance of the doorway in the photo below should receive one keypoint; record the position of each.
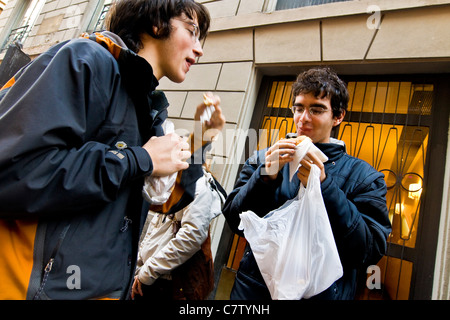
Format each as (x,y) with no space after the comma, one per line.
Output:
(398,124)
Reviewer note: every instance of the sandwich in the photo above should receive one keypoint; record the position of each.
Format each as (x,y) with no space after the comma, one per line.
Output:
(300,139)
(207,100)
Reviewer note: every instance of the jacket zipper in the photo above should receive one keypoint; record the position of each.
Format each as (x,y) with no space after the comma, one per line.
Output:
(126,222)
(49,265)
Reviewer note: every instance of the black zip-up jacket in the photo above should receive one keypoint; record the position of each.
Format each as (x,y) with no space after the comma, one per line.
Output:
(72,123)
(354,194)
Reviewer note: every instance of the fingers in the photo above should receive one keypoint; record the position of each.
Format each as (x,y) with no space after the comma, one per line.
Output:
(140,288)
(280,155)
(181,152)
(209,117)
(283,150)
(306,164)
(183,143)
(283,144)
(207,110)
(168,153)
(314,159)
(136,288)
(305,168)
(217,119)
(303,176)
(311,159)
(277,156)
(210,99)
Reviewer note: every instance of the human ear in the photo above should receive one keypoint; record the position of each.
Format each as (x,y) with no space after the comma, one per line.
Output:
(337,120)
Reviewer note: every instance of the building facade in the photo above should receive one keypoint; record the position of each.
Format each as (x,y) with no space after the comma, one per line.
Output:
(395,57)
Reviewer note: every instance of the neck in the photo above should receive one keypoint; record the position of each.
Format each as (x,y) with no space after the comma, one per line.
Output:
(150,53)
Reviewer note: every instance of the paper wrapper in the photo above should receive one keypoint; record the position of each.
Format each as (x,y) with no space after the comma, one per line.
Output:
(300,152)
(157,190)
(209,110)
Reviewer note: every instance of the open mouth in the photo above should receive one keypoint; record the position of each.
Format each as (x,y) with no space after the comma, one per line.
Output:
(304,131)
(190,62)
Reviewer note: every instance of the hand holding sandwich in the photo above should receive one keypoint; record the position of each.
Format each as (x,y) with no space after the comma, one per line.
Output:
(283,152)
(305,168)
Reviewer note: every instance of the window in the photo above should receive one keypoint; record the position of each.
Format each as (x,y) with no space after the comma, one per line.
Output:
(98,19)
(100,25)
(291,4)
(388,125)
(22,27)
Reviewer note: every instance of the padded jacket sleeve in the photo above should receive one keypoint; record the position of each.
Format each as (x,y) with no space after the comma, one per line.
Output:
(358,215)
(195,220)
(251,192)
(48,162)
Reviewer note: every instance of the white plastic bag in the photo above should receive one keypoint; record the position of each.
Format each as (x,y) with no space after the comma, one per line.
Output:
(294,245)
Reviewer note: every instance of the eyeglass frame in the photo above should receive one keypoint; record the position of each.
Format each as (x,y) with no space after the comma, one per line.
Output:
(195,33)
(311,110)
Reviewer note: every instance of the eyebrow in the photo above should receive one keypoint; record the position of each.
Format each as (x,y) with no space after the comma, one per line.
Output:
(314,105)
(190,20)
(186,19)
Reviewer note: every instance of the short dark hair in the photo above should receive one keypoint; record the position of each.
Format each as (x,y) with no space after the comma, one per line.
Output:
(129,19)
(323,82)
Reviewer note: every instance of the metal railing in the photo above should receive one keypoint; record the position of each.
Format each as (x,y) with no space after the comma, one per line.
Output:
(99,26)
(16,35)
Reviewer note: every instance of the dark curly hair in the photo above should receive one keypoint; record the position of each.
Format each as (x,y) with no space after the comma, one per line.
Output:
(129,19)
(322,82)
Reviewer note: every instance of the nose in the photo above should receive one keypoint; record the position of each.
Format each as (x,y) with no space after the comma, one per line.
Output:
(198,50)
(305,116)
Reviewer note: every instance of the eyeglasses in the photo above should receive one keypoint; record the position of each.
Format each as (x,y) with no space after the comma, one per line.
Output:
(313,110)
(195,31)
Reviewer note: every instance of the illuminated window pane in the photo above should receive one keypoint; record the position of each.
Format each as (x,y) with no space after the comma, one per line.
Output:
(390,97)
(274,129)
(280,95)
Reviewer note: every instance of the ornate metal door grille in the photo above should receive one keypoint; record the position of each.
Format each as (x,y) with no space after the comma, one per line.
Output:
(387,125)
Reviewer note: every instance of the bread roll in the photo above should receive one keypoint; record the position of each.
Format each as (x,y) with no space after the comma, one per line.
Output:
(299,139)
(207,100)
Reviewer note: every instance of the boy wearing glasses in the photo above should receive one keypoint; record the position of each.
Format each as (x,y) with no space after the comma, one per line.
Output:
(80,128)
(353,191)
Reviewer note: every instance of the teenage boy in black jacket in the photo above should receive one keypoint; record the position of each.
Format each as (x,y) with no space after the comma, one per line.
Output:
(80,127)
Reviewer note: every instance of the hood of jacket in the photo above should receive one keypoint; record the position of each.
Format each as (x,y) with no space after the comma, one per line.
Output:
(133,67)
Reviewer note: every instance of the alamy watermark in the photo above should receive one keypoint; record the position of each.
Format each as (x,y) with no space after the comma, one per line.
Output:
(374,279)
(222,140)
(74,280)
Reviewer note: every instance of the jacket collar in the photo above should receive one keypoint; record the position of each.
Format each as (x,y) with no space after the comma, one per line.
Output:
(134,68)
(138,79)
(333,150)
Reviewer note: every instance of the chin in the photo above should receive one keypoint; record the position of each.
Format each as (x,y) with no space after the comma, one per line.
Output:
(177,79)
(301,133)
(175,75)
